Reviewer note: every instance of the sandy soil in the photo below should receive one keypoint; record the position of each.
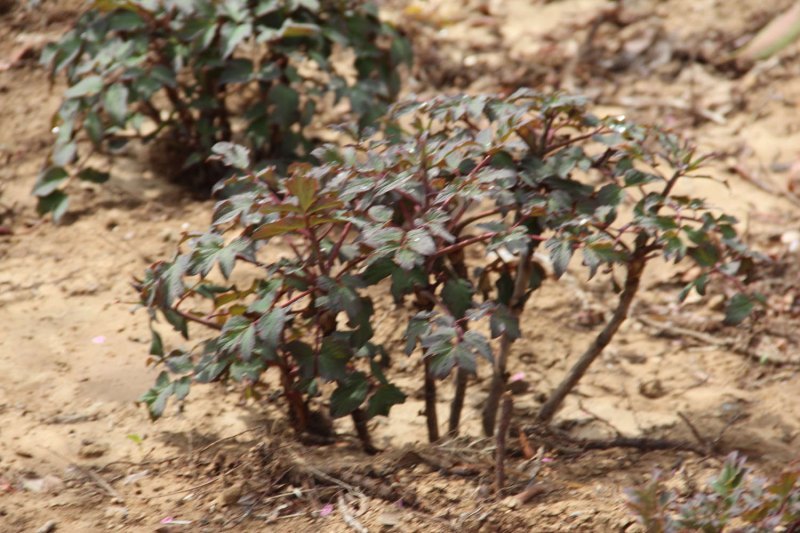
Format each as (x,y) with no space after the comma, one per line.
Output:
(76,450)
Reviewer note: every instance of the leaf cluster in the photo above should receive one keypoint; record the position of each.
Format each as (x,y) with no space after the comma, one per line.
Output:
(203,72)
(458,207)
(732,501)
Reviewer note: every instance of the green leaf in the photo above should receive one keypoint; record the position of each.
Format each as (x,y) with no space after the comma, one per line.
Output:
(177,321)
(156,398)
(49,181)
(304,189)
(232,36)
(279,227)
(270,326)
(181,387)
(285,103)
(560,255)
(210,249)
(417,327)
(706,254)
(238,335)
(93,175)
(156,344)
(380,213)
(125,20)
(333,358)
(303,353)
(232,154)
(65,153)
(382,400)
(236,71)
(406,258)
(420,241)
(68,50)
(478,344)
(442,362)
(349,395)
(56,203)
(465,358)
(88,86)
(94,128)
(505,288)
(504,321)
(173,278)
(115,103)
(291,28)
(404,281)
(378,270)
(738,308)
(250,370)
(457,296)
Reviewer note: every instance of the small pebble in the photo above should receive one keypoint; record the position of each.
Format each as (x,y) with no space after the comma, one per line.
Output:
(48,527)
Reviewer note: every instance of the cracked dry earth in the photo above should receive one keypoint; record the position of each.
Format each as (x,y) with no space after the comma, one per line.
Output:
(77,454)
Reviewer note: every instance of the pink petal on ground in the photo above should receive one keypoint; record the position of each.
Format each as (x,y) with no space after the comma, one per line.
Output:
(519,376)
(100,339)
(326,509)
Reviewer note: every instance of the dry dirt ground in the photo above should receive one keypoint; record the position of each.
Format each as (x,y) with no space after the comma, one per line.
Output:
(77,454)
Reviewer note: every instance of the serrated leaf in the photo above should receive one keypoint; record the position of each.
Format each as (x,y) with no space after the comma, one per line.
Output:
(417,327)
(442,362)
(238,335)
(304,189)
(478,343)
(177,321)
(156,398)
(465,358)
(382,400)
(560,254)
(210,249)
(457,296)
(173,278)
(271,325)
(349,395)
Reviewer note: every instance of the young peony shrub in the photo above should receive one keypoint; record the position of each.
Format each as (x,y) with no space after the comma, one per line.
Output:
(193,74)
(443,181)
